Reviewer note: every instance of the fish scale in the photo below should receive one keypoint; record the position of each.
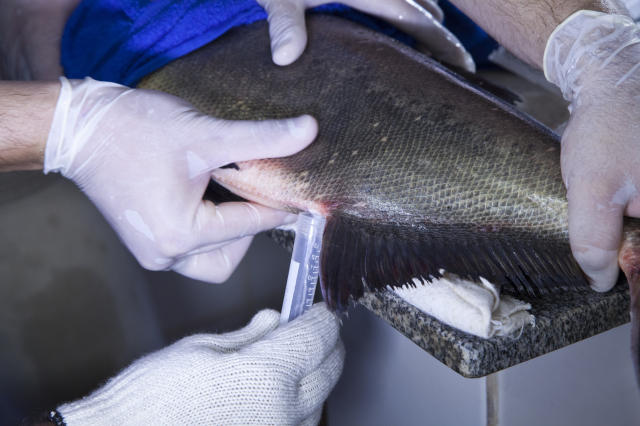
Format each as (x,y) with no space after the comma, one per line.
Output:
(415,168)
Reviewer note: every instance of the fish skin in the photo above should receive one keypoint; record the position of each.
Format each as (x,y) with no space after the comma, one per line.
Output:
(408,140)
(415,169)
(406,151)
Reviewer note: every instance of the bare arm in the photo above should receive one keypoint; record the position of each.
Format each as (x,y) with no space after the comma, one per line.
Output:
(523,26)
(26,111)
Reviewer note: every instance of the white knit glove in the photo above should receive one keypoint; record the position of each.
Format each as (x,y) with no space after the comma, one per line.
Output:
(422,19)
(145,158)
(595,59)
(262,374)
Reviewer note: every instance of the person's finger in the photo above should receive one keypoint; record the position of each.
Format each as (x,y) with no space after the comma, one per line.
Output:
(316,386)
(431,6)
(214,266)
(213,227)
(287,29)
(446,47)
(418,21)
(252,140)
(260,325)
(233,220)
(388,8)
(308,339)
(595,230)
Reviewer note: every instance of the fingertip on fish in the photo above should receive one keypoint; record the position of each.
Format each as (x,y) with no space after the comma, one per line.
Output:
(604,279)
(303,127)
(285,52)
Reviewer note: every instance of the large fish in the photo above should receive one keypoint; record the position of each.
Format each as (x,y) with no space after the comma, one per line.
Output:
(415,169)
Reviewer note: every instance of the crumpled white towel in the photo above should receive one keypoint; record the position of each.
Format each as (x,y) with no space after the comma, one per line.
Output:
(473,307)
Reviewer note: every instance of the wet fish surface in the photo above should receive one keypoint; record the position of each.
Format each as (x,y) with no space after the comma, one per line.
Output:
(415,169)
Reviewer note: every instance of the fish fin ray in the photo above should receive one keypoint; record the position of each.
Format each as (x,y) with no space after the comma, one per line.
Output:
(358,256)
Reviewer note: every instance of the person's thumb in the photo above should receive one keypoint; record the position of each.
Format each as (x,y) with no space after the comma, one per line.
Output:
(260,325)
(253,140)
(595,232)
(286,29)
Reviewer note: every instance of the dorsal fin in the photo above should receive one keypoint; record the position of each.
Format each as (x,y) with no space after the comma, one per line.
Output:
(358,255)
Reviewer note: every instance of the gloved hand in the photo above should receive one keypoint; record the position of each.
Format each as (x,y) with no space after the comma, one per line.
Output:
(144,158)
(595,59)
(261,374)
(418,18)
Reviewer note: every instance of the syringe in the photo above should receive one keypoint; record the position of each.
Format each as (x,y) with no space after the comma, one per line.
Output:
(304,267)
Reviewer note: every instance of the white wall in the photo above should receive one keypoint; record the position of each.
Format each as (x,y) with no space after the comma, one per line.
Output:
(388,380)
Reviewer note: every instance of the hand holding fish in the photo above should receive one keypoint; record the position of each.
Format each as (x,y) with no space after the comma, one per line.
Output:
(421,19)
(260,374)
(145,158)
(595,58)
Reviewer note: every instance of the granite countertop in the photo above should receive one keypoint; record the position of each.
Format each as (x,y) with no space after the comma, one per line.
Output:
(561,319)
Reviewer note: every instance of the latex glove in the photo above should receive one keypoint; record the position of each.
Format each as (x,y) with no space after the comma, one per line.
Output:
(595,58)
(261,374)
(422,19)
(144,158)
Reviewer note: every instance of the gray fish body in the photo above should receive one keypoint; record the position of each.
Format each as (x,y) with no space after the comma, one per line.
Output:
(415,169)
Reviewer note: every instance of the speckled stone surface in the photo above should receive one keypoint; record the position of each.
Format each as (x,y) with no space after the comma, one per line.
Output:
(561,319)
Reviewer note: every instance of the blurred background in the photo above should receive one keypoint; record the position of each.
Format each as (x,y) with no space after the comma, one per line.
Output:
(75,306)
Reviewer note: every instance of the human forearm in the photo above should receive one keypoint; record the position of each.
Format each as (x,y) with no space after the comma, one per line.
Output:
(26,111)
(524,26)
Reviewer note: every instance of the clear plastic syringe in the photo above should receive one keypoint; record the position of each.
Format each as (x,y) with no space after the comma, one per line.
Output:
(304,267)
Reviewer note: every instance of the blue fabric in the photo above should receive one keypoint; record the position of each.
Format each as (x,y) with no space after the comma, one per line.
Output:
(124,40)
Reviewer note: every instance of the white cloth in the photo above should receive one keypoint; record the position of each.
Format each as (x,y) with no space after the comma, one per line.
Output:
(473,307)
(262,374)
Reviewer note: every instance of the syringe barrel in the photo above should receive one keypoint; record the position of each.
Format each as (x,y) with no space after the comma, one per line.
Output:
(305,266)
